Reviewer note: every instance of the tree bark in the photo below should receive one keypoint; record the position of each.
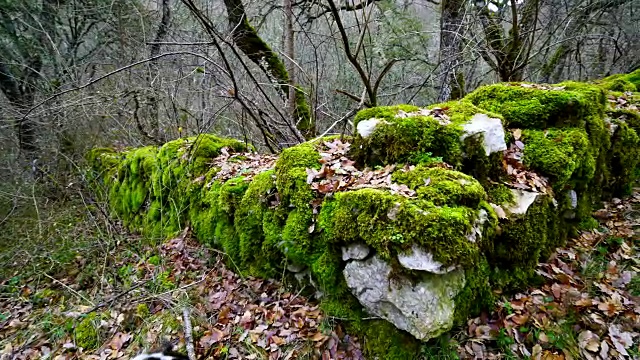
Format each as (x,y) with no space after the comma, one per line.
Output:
(508,54)
(20,93)
(251,44)
(152,99)
(289,52)
(452,79)
(552,70)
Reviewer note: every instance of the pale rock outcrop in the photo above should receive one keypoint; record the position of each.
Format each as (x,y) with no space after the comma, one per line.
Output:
(491,130)
(419,259)
(355,251)
(424,308)
(366,127)
(523,200)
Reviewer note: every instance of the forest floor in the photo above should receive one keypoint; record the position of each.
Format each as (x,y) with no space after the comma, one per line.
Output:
(74,285)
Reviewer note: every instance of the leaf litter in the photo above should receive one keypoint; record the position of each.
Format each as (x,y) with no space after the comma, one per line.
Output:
(588,307)
(234,317)
(338,173)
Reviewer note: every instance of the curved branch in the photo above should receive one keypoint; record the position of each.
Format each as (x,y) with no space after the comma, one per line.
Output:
(352,59)
(383,73)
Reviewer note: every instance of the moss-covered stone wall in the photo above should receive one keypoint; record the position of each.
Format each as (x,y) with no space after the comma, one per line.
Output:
(486,202)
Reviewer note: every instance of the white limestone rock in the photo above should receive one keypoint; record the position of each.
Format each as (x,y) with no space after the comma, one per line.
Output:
(573,197)
(523,199)
(611,125)
(573,203)
(419,259)
(365,127)
(490,128)
(424,309)
(355,251)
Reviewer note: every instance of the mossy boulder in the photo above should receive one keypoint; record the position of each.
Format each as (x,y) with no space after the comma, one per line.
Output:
(275,218)
(465,224)
(528,106)
(622,82)
(456,132)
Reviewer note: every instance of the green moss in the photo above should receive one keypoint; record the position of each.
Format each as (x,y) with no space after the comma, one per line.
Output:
(623,158)
(390,223)
(532,108)
(142,311)
(461,111)
(477,164)
(402,140)
(419,139)
(559,154)
(441,186)
(523,241)
(380,339)
(327,270)
(622,82)
(632,118)
(101,159)
(297,242)
(509,279)
(382,112)
(86,333)
(387,342)
(499,194)
(291,174)
(588,223)
(261,259)
(476,295)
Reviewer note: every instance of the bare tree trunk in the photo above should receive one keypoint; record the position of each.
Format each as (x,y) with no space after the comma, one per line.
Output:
(252,45)
(452,79)
(289,52)
(20,88)
(152,99)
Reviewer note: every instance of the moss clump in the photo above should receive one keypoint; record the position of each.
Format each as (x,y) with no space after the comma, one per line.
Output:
(411,139)
(391,223)
(588,224)
(257,256)
(499,194)
(523,241)
(622,82)
(386,341)
(441,186)
(406,140)
(142,311)
(383,112)
(86,333)
(476,294)
(381,340)
(533,108)
(632,118)
(623,158)
(559,154)
(461,111)
(291,174)
(419,139)
(147,186)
